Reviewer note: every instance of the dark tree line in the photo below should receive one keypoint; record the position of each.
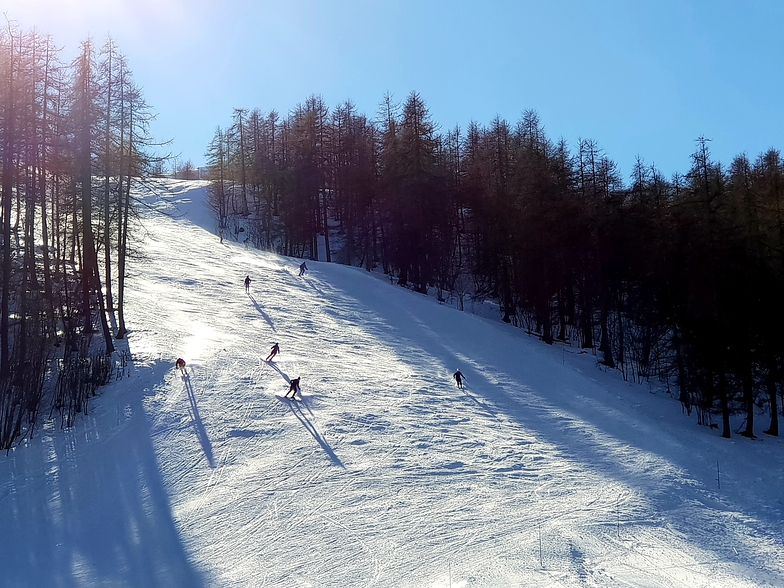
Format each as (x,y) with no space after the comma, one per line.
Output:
(72,138)
(676,279)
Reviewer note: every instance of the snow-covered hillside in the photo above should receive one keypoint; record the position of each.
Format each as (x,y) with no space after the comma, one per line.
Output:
(543,471)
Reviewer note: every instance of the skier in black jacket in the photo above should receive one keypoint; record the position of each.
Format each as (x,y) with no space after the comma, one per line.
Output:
(459,377)
(273,352)
(293,388)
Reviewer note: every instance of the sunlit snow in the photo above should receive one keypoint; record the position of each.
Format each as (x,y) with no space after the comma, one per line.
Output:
(543,471)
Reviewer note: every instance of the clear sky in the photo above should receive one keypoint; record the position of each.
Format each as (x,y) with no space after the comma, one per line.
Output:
(640,77)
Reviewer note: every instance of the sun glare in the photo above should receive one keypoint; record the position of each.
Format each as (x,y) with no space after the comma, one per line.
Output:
(134,22)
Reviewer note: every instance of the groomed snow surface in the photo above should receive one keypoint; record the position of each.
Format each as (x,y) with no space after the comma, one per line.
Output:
(543,471)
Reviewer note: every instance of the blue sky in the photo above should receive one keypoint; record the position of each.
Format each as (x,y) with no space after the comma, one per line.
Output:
(642,77)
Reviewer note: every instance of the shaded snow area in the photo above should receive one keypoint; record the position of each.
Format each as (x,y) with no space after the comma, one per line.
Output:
(543,471)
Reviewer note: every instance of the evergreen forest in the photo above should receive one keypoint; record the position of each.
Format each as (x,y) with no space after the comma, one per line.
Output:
(676,280)
(73,138)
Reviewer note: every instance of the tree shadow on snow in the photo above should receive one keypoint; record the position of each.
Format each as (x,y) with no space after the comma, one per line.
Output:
(90,510)
(513,378)
(244,433)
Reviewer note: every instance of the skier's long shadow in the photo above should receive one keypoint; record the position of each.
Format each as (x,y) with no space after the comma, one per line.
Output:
(314,287)
(303,418)
(297,411)
(275,367)
(486,409)
(201,432)
(262,313)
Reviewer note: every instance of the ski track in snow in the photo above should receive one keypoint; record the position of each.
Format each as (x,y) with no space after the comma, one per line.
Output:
(543,471)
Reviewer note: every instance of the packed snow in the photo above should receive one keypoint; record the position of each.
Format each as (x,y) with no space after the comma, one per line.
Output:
(545,470)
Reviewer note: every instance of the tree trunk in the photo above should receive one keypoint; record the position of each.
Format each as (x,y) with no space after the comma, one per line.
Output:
(770,382)
(726,429)
(328,253)
(604,345)
(586,320)
(748,401)
(107,253)
(7,196)
(561,316)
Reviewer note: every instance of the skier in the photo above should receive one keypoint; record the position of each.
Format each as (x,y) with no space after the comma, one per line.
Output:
(293,388)
(459,377)
(247,284)
(273,352)
(302,268)
(180,364)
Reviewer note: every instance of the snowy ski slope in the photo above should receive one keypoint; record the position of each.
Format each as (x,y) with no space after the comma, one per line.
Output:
(544,471)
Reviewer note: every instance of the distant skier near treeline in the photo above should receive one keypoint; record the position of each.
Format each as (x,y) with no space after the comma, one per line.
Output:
(273,352)
(459,377)
(293,388)
(247,283)
(302,268)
